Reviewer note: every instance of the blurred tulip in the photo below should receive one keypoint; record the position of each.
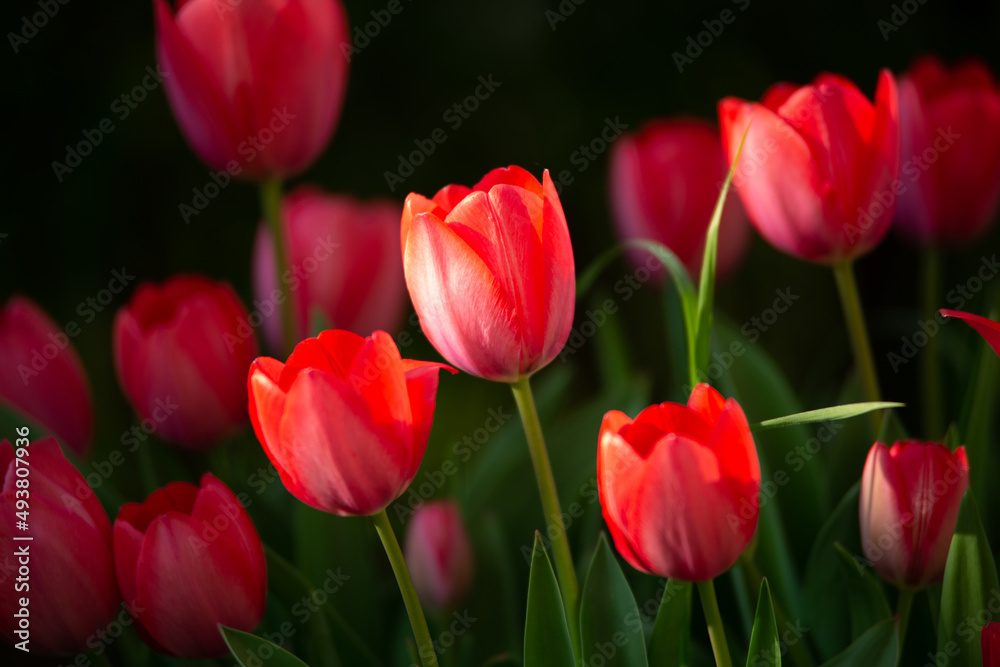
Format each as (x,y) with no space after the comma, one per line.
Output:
(490,273)
(910,497)
(41,374)
(988,329)
(255,85)
(950,148)
(679,485)
(71,574)
(182,350)
(439,555)
(818,172)
(345,421)
(664,185)
(190,558)
(989,639)
(344,264)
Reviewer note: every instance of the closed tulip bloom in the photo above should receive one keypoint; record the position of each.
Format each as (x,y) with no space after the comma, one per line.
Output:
(344,264)
(490,273)
(439,555)
(189,558)
(72,588)
(256,85)
(910,497)
(345,421)
(950,151)
(990,641)
(182,350)
(988,329)
(679,485)
(818,172)
(664,185)
(41,375)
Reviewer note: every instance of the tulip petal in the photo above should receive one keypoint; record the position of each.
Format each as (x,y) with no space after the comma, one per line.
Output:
(883,516)
(988,329)
(512,175)
(560,273)
(421,385)
(650,425)
(618,467)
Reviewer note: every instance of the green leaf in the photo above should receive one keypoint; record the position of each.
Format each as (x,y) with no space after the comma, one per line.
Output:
(610,625)
(825,414)
(969,587)
(765,647)
(670,645)
(865,597)
(546,634)
(875,648)
(252,651)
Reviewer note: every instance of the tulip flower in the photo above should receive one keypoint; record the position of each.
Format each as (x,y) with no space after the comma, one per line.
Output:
(818,172)
(989,639)
(910,497)
(345,421)
(69,561)
(344,264)
(679,485)
(439,555)
(41,375)
(190,558)
(490,273)
(950,151)
(988,329)
(257,85)
(664,183)
(182,350)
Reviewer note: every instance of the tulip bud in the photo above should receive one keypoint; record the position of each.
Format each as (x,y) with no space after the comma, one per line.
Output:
(490,273)
(189,558)
(66,571)
(343,258)
(41,374)
(255,86)
(990,641)
(679,485)
(665,181)
(439,555)
(182,350)
(345,421)
(910,497)
(819,170)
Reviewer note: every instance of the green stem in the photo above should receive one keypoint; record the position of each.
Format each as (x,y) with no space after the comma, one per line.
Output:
(716,633)
(425,646)
(270,201)
(903,605)
(798,649)
(931,362)
(550,505)
(858,333)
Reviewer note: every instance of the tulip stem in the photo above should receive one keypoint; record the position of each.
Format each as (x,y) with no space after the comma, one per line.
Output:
(716,632)
(270,201)
(903,605)
(550,505)
(931,366)
(425,646)
(858,333)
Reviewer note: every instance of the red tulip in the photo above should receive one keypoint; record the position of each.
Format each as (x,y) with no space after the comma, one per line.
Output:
(490,273)
(343,259)
(818,172)
(345,421)
(989,639)
(679,485)
(68,576)
(950,147)
(439,555)
(41,374)
(255,85)
(182,350)
(190,558)
(910,497)
(664,184)
(988,329)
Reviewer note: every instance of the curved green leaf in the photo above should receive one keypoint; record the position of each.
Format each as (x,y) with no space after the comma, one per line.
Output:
(670,644)
(765,648)
(610,624)
(865,597)
(825,414)
(546,634)
(875,648)
(253,651)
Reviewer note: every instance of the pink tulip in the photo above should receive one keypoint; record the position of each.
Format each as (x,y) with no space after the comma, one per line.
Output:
(41,374)
(665,181)
(343,264)
(818,172)
(255,85)
(950,150)
(439,555)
